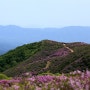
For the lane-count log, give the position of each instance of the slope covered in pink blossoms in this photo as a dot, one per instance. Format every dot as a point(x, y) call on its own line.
point(76, 80)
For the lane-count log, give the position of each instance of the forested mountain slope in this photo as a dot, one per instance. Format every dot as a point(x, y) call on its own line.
point(46, 56)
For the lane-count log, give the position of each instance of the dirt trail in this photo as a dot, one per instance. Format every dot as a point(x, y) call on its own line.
point(47, 65)
point(71, 50)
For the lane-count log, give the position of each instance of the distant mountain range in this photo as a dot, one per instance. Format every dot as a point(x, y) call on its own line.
point(46, 56)
point(12, 36)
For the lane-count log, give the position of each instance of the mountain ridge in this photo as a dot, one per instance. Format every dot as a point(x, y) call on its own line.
point(46, 56)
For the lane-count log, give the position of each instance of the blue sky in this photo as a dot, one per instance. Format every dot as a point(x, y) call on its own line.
point(45, 13)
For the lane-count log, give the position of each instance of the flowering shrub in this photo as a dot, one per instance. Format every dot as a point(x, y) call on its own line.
point(76, 80)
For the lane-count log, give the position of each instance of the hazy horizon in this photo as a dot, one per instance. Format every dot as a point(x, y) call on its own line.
point(45, 13)
point(40, 27)
point(18, 34)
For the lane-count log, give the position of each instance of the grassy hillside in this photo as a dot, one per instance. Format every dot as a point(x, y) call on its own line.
point(18, 55)
point(22, 53)
point(46, 56)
